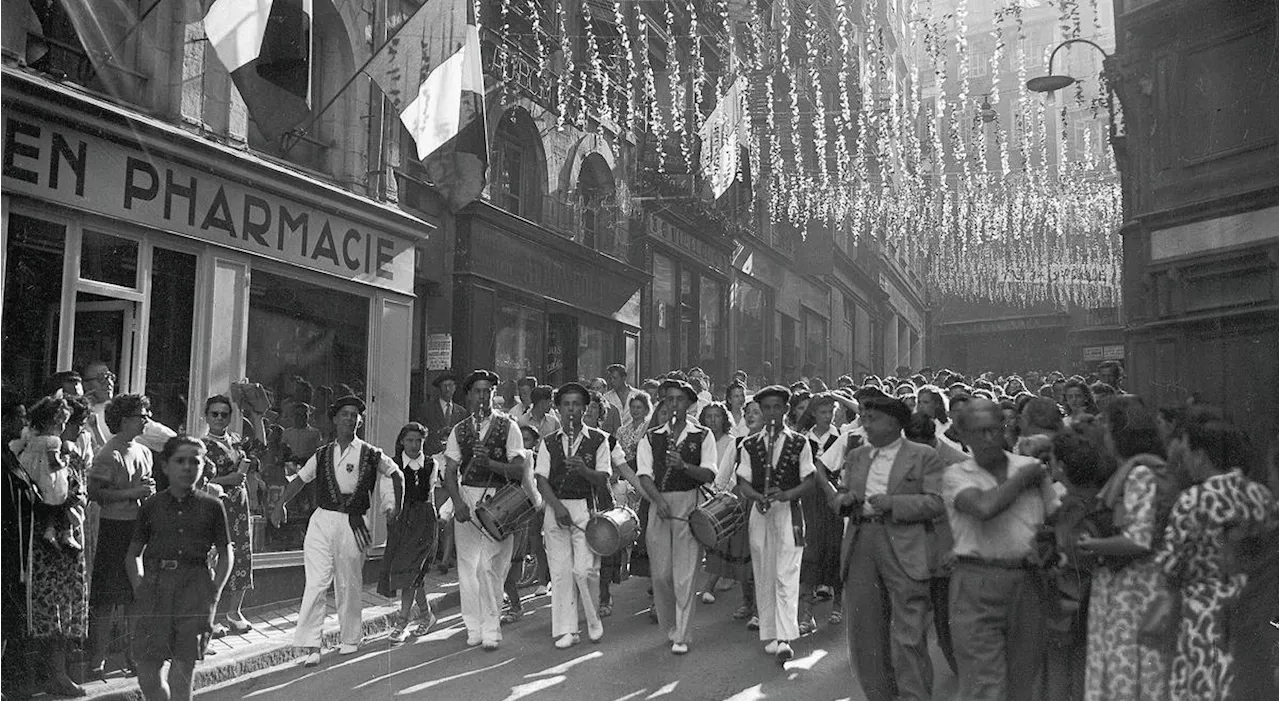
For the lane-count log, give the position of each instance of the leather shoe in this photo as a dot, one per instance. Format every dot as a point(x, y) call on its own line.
point(345, 649)
point(567, 641)
point(679, 648)
point(312, 659)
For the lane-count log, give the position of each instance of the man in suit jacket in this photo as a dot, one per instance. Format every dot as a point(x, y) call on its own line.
point(891, 491)
point(441, 414)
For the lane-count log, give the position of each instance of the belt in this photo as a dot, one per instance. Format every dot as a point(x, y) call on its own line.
point(881, 519)
point(162, 564)
point(1004, 563)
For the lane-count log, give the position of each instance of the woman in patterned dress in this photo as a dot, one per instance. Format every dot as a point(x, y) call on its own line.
point(230, 465)
point(58, 593)
point(1120, 666)
point(1194, 555)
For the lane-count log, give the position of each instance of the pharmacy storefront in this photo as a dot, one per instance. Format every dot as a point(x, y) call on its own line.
point(184, 265)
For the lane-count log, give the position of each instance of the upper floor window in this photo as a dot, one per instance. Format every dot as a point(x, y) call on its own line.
point(596, 198)
point(516, 165)
point(96, 45)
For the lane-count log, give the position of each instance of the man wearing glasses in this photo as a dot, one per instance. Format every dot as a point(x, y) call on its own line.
point(119, 480)
point(99, 388)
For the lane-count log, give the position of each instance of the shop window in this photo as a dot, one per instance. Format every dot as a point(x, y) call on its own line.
point(815, 342)
point(687, 345)
point(306, 343)
point(34, 254)
point(105, 329)
point(173, 291)
point(517, 341)
point(749, 319)
point(107, 258)
point(664, 311)
point(711, 344)
point(517, 162)
point(595, 351)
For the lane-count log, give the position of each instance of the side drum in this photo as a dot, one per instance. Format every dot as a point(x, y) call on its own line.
point(612, 530)
point(718, 518)
point(505, 512)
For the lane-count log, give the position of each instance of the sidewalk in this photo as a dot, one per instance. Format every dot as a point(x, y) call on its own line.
point(270, 643)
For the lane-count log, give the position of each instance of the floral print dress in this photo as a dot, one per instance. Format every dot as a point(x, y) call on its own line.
point(1120, 667)
point(225, 454)
point(1194, 558)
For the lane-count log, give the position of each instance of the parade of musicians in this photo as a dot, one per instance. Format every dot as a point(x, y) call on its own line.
point(621, 350)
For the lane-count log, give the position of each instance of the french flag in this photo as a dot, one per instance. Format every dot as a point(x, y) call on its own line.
point(266, 47)
point(430, 70)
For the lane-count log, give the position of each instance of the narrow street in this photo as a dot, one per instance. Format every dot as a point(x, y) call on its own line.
point(633, 662)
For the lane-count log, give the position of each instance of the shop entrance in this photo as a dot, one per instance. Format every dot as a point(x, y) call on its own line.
point(105, 331)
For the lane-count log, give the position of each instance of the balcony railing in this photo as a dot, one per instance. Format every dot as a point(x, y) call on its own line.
point(1103, 316)
point(600, 227)
point(520, 69)
point(107, 77)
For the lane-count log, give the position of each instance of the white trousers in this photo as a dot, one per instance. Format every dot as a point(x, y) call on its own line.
point(775, 561)
point(575, 570)
point(482, 570)
point(674, 555)
point(330, 556)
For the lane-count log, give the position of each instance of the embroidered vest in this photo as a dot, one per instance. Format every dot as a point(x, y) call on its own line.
point(786, 474)
point(690, 450)
point(819, 449)
point(494, 445)
point(356, 504)
point(564, 483)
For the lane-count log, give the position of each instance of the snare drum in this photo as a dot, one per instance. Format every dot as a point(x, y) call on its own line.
point(505, 512)
point(718, 518)
point(612, 530)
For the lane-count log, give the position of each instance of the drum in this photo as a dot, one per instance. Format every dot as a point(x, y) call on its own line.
point(612, 530)
point(718, 518)
point(505, 512)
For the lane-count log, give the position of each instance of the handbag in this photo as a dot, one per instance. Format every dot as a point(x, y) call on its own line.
point(1159, 625)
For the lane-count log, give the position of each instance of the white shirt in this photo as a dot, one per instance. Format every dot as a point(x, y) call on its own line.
point(833, 457)
point(347, 478)
point(515, 445)
point(414, 463)
point(878, 474)
point(613, 399)
point(725, 470)
point(1009, 534)
point(644, 451)
point(547, 425)
point(603, 459)
point(806, 459)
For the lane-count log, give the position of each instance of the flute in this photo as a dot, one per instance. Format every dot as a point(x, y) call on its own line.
point(772, 434)
point(672, 449)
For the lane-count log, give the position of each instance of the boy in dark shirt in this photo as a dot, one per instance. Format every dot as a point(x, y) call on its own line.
point(167, 562)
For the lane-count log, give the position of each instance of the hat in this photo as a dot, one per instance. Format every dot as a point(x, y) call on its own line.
point(773, 391)
point(479, 376)
point(681, 385)
point(348, 400)
point(888, 405)
point(442, 377)
point(570, 388)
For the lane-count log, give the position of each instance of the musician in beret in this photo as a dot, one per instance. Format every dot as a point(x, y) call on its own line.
point(483, 454)
point(347, 470)
point(573, 462)
point(672, 462)
point(775, 469)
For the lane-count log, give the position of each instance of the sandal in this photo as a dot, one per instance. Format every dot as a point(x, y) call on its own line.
point(239, 627)
point(836, 617)
point(425, 623)
point(606, 610)
point(511, 615)
point(219, 630)
point(743, 613)
point(808, 627)
point(708, 597)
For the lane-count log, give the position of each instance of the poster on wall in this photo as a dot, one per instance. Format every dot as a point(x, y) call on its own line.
point(439, 351)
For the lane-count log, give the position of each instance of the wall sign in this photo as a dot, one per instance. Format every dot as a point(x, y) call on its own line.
point(59, 164)
point(439, 351)
point(1101, 353)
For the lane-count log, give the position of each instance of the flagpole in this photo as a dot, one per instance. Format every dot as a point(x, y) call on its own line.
point(316, 116)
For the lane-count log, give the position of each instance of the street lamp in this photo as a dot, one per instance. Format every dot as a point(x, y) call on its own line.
point(1051, 82)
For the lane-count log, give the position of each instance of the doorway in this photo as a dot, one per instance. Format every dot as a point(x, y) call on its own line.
point(106, 332)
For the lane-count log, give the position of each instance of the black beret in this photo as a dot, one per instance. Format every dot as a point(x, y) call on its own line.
point(864, 393)
point(773, 391)
point(570, 388)
point(888, 405)
point(442, 377)
point(479, 376)
point(680, 385)
point(348, 400)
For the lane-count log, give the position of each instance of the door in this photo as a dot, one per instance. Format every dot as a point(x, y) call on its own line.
point(106, 331)
point(562, 348)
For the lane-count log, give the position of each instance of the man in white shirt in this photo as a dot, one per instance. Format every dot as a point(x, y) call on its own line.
point(890, 489)
point(996, 502)
point(524, 397)
point(775, 468)
point(338, 539)
point(484, 453)
point(620, 391)
point(540, 417)
point(572, 464)
point(672, 462)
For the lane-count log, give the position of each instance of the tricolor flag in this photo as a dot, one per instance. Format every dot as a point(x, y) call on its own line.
point(722, 136)
point(266, 46)
point(430, 70)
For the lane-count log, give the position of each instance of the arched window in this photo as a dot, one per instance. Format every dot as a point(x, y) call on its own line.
point(516, 169)
point(596, 197)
